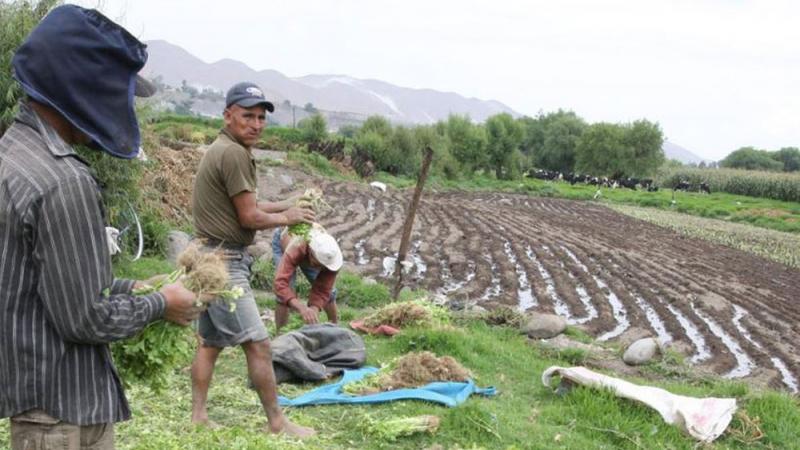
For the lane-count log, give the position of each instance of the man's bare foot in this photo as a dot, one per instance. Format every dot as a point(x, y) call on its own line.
point(292, 429)
point(205, 422)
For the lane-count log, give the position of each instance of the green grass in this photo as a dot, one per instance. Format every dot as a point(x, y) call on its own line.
point(141, 269)
point(525, 414)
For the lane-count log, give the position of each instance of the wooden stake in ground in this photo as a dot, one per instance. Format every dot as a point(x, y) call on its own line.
point(409, 223)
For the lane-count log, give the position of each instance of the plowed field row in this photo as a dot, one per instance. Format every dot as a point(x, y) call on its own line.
point(593, 266)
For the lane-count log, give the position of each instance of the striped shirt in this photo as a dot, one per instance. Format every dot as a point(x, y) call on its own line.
point(59, 303)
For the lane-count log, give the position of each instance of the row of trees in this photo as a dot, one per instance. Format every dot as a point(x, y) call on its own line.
point(505, 146)
point(786, 159)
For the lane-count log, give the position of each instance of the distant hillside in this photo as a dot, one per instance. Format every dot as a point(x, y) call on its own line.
point(331, 93)
point(674, 151)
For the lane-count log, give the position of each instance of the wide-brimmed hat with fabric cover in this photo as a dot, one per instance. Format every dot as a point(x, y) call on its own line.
point(85, 66)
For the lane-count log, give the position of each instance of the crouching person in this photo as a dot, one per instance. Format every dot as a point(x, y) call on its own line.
point(320, 259)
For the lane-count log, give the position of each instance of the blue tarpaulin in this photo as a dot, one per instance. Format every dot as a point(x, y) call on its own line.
point(448, 393)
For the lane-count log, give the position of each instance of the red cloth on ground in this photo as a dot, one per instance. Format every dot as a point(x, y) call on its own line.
point(385, 330)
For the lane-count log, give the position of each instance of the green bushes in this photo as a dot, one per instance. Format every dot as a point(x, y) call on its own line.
point(773, 185)
point(313, 161)
point(314, 128)
point(18, 19)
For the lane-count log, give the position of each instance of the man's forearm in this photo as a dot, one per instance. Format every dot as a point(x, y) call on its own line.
point(275, 207)
point(295, 304)
point(261, 220)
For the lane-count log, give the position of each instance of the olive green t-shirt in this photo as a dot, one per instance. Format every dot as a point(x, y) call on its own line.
point(226, 169)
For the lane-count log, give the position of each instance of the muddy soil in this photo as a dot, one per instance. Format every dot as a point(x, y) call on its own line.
point(601, 270)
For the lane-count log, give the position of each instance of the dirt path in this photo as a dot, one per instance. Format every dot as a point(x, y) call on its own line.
point(599, 269)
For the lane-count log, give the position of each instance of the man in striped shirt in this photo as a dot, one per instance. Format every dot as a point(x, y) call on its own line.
point(59, 303)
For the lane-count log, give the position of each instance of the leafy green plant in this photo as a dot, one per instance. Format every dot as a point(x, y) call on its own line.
point(389, 430)
point(18, 19)
point(148, 356)
point(751, 183)
point(262, 273)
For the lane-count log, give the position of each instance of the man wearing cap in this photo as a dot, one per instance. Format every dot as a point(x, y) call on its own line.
point(59, 303)
point(227, 214)
point(320, 259)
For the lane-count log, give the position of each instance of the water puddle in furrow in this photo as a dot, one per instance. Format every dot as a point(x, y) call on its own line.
point(788, 379)
point(559, 306)
point(450, 284)
point(617, 309)
point(494, 286)
point(655, 321)
point(744, 365)
point(585, 298)
point(371, 209)
point(702, 353)
point(525, 296)
point(390, 263)
point(620, 314)
point(419, 264)
point(361, 257)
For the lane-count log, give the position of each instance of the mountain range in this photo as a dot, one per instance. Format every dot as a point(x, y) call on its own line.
point(343, 99)
point(675, 151)
point(342, 93)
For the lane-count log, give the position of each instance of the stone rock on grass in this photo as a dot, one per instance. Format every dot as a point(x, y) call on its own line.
point(177, 241)
point(632, 335)
point(543, 326)
point(641, 352)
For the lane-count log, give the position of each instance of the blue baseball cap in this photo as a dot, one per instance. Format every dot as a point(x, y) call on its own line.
point(85, 66)
point(247, 95)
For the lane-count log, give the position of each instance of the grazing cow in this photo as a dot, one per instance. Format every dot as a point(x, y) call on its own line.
point(704, 188)
point(682, 185)
point(541, 174)
point(576, 178)
point(629, 183)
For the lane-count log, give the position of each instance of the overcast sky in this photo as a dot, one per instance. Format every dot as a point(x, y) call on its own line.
point(715, 74)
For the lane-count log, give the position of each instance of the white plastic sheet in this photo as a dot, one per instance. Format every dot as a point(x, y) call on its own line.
point(705, 419)
point(378, 185)
point(112, 234)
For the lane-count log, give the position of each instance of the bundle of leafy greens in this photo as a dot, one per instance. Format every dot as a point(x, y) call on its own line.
point(419, 313)
point(409, 371)
point(311, 198)
point(163, 346)
point(391, 429)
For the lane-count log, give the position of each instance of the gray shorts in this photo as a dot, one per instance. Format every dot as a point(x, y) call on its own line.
point(218, 326)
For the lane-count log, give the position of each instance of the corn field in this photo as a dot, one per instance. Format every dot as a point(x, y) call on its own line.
point(752, 183)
